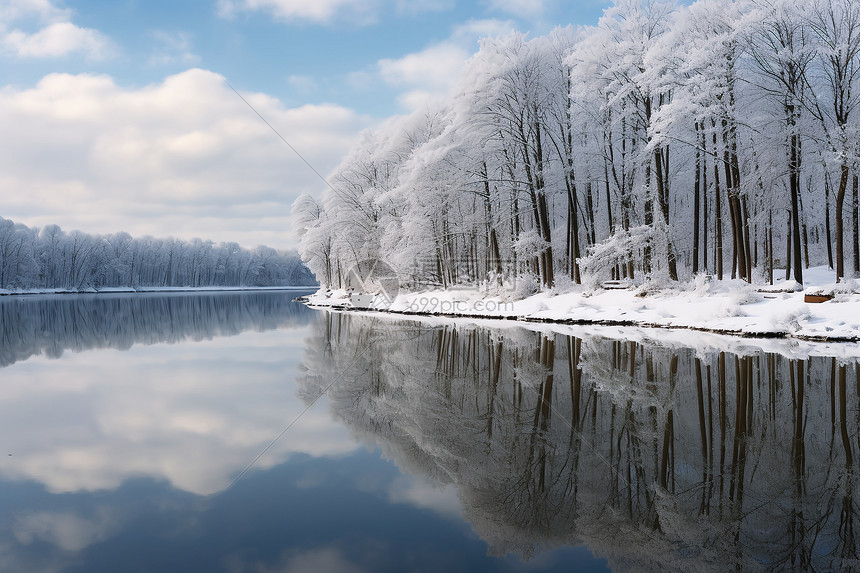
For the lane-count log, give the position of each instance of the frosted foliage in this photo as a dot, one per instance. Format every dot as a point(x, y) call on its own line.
point(621, 247)
point(729, 129)
point(529, 244)
point(51, 259)
point(656, 458)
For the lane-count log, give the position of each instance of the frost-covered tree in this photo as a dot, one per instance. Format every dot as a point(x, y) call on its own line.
point(711, 132)
point(836, 25)
point(779, 42)
point(52, 259)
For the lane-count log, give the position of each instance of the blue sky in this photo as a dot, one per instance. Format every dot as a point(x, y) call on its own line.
point(122, 121)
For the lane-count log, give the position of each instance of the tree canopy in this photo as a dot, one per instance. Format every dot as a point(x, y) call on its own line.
point(667, 140)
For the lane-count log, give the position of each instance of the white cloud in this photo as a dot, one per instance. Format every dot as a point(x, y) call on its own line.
point(54, 36)
point(43, 10)
point(432, 72)
point(431, 67)
point(321, 11)
point(57, 40)
point(185, 157)
point(172, 48)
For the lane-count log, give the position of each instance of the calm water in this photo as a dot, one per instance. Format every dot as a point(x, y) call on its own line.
point(127, 424)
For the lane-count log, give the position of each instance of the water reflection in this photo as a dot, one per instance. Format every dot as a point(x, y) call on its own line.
point(655, 458)
point(120, 458)
point(192, 415)
point(52, 324)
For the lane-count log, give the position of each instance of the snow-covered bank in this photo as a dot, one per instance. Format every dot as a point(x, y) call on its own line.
point(115, 290)
point(724, 307)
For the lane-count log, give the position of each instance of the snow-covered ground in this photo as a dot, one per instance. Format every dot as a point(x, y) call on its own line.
point(725, 307)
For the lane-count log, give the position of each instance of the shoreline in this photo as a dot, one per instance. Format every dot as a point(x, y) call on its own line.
point(767, 335)
point(703, 340)
point(728, 308)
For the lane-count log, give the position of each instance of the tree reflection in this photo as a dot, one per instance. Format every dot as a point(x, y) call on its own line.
point(656, 458)
point(51, 325)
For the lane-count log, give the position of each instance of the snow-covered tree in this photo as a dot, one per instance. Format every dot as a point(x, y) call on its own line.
point(52, 259)
point(718, 125)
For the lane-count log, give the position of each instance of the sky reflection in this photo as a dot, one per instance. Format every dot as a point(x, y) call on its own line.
point(121, 459)
point(193, 415)
point(311, 514)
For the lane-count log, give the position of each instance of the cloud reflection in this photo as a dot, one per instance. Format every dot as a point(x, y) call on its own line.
point(66, 530)
point(192, 414)
point(421, 492)
point(322, 560)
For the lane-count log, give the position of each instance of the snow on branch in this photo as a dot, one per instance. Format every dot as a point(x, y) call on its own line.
point(615, 250)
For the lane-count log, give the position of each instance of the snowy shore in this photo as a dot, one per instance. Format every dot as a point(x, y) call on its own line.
point(723, 307)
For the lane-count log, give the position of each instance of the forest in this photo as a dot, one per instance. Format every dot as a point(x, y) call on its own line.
point(669, 140)
point(50, 258)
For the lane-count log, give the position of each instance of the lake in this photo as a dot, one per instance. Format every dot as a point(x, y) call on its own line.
point(243, 432)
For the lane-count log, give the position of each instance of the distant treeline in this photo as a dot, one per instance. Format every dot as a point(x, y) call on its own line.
point(51, 258)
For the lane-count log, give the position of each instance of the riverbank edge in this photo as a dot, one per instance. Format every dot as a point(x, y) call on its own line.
point(820, 311)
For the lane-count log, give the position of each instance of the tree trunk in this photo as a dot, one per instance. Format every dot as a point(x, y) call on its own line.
point(739, 241)
point(827, 221)
point(747, 233)
point(573, 229)
point(663, 199)
point(589, 205)
point(718, 211)
point(697, 184)
point(744, 231)
point(704, 200)
point(854, 218)
point(794, 184)
point(770, 247)
point(494, 262)
point(788, 235)
point(838, 219)
point(573, 223)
